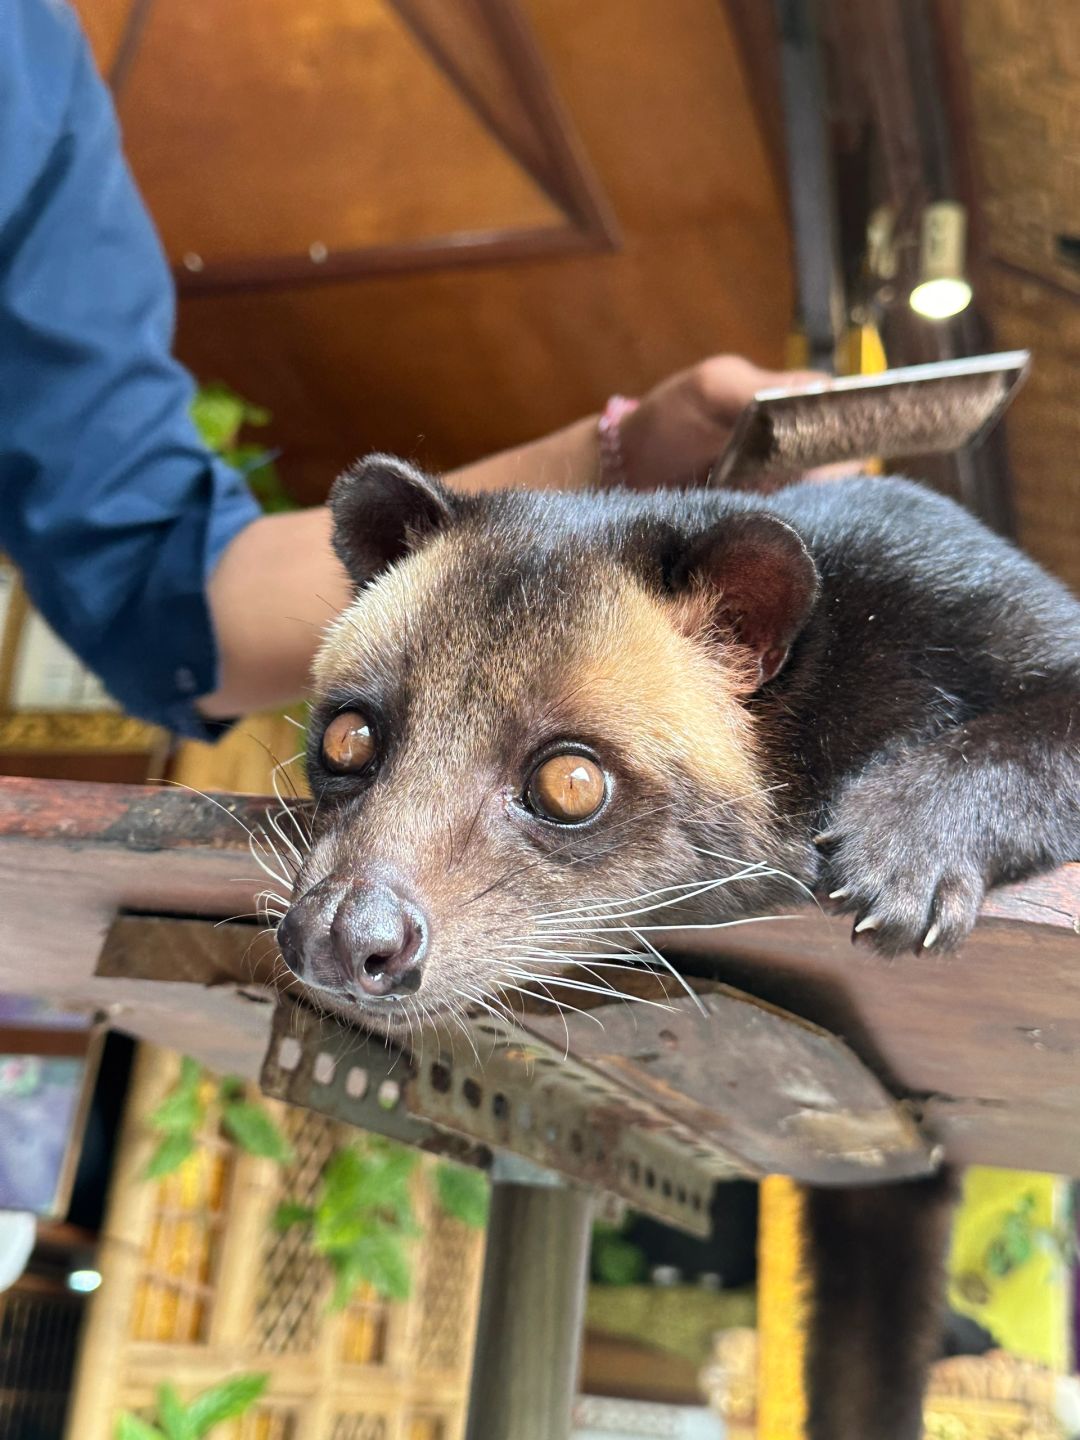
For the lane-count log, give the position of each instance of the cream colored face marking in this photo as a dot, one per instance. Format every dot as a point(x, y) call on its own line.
point(667, 697)
point(638, 673)
point(367, 633)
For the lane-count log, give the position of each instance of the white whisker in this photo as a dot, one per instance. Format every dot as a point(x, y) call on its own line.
point(263, 840)
point(582, 911)
point(708, 925)
point(691, 891)
point(608, 992)
point(768, 870)
point(680, 979)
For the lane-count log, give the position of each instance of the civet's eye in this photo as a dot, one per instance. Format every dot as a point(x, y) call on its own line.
point(568, 787)
point(348, 742)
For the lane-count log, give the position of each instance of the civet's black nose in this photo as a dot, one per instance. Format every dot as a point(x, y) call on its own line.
point(358, 940)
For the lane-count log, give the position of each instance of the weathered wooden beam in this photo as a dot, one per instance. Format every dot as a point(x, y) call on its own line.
point(983, 1045)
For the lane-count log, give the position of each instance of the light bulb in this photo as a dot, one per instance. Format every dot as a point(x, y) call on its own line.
point(940, 298)
point(942, 290)
point(83, 1281)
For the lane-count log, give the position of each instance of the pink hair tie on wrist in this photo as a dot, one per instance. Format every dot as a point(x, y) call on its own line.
point(612, 470)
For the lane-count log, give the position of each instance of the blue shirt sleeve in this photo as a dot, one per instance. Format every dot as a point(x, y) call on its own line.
point(110, 505)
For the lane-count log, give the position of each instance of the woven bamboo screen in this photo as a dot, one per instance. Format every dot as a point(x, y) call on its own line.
point(197, 1285)
point(38, 1330)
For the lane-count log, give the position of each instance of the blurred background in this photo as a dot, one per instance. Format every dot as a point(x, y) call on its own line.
point(440, 228)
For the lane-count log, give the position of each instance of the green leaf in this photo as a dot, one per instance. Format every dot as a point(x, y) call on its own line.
point(130, 1427)
point(253, 1130)
point(180, 1113)
point(358, 1184)
point(181, 1110)
point(339, 1233)
point(616, 1261)
point(174, 1417)
point(997, 1259)
point(230, 1087)
point(289, 1214)
point(169, 1156)
point(386, 1265)
point(348, 1275)
point(225, 1402)
point(218, 415)
point(1021, 1249)
point(381, 1261)
point(463, 1193)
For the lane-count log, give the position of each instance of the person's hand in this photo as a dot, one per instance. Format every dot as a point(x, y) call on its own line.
point(681, 426)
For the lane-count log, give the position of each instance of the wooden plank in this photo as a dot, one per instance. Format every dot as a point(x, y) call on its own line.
point(457, 250)
point(72, 856)
point(985, 1042)
point(488, 52)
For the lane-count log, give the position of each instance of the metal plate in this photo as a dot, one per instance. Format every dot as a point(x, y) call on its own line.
point(653, 1111)
point(522, 1097)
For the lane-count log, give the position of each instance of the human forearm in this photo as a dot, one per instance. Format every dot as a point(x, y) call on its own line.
point(275, 588)
point(569, 459)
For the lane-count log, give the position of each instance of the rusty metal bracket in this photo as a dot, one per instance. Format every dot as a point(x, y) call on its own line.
point(650, 1112)
point(521, 1098)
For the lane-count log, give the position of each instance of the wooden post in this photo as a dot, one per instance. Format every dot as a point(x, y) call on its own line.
point(531, 1308)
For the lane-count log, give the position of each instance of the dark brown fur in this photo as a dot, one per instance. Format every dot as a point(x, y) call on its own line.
point(860, 659)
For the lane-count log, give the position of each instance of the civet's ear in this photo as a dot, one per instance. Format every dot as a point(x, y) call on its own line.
point(382, 509)
point(759, 581)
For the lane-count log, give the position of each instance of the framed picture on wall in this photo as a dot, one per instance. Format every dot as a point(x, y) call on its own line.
point(56, 718)
point(48, 1064)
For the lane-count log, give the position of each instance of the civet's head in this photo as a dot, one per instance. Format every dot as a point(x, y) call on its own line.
point(529, 725)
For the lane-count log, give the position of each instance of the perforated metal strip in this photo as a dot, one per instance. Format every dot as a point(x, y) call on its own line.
point(513, 1095)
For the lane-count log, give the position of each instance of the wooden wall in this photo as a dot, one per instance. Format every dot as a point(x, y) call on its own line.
point(265, 127)
point(1023, 76)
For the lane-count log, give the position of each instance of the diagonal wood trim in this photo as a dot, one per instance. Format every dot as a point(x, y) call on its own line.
point(488, 52)
point(128, 47)
point(1061, 288)
point(753, 29)
point(441, 252)
point(460, 42)
point(588, 203)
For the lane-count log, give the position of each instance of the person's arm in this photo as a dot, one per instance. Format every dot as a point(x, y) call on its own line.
point(110, 505)
point(279, 582)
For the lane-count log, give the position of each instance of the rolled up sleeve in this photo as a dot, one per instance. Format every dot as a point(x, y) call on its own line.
point(110, 504)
